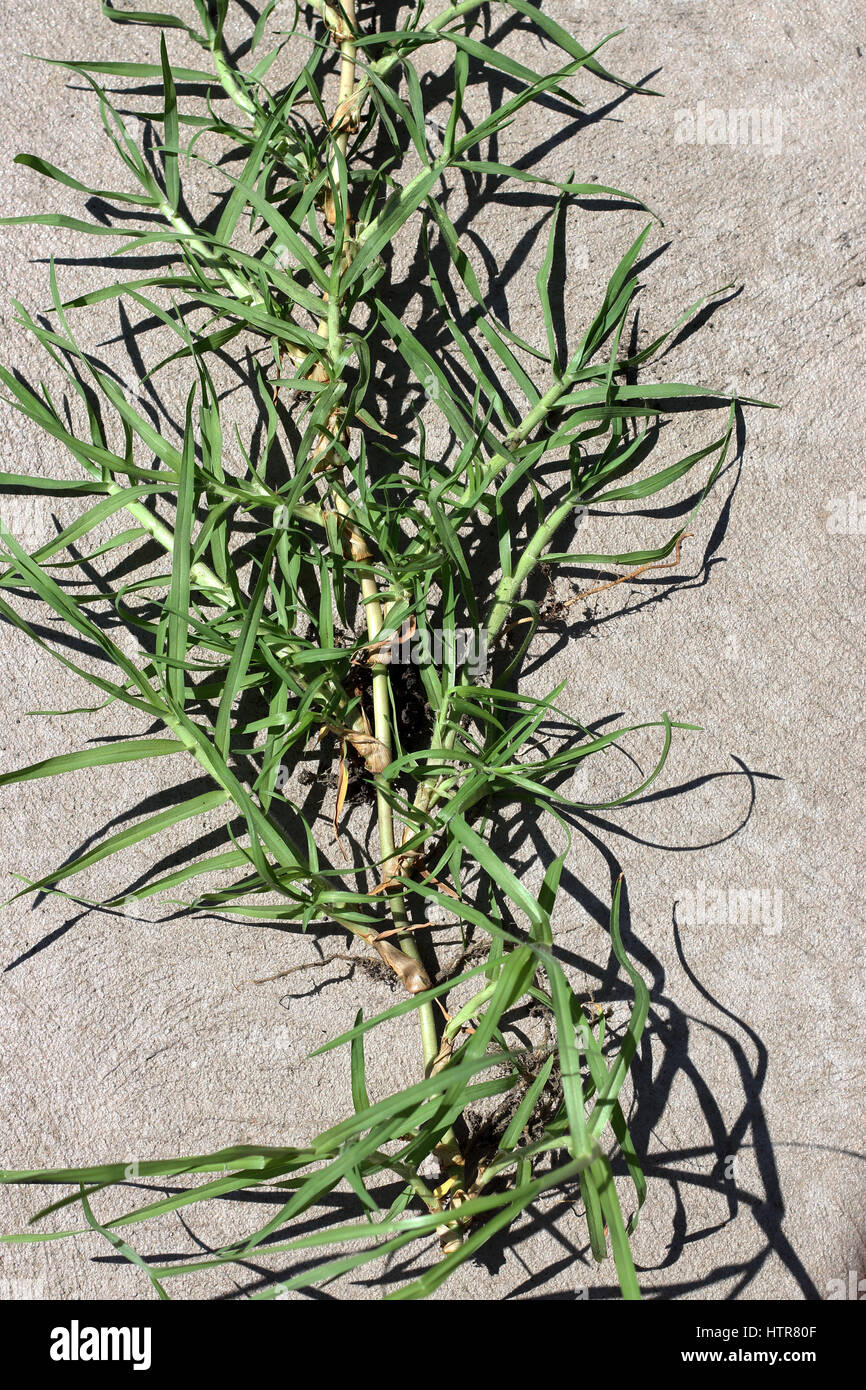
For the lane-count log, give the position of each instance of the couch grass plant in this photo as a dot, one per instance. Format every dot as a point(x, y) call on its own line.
point(358, 528)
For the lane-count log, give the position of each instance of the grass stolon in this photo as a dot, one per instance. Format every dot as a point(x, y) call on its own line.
point(254, 641)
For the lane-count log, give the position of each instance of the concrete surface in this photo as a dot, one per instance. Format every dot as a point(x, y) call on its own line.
point(130, 1037)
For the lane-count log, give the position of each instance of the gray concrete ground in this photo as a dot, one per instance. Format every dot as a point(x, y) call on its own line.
point(128, 1037)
